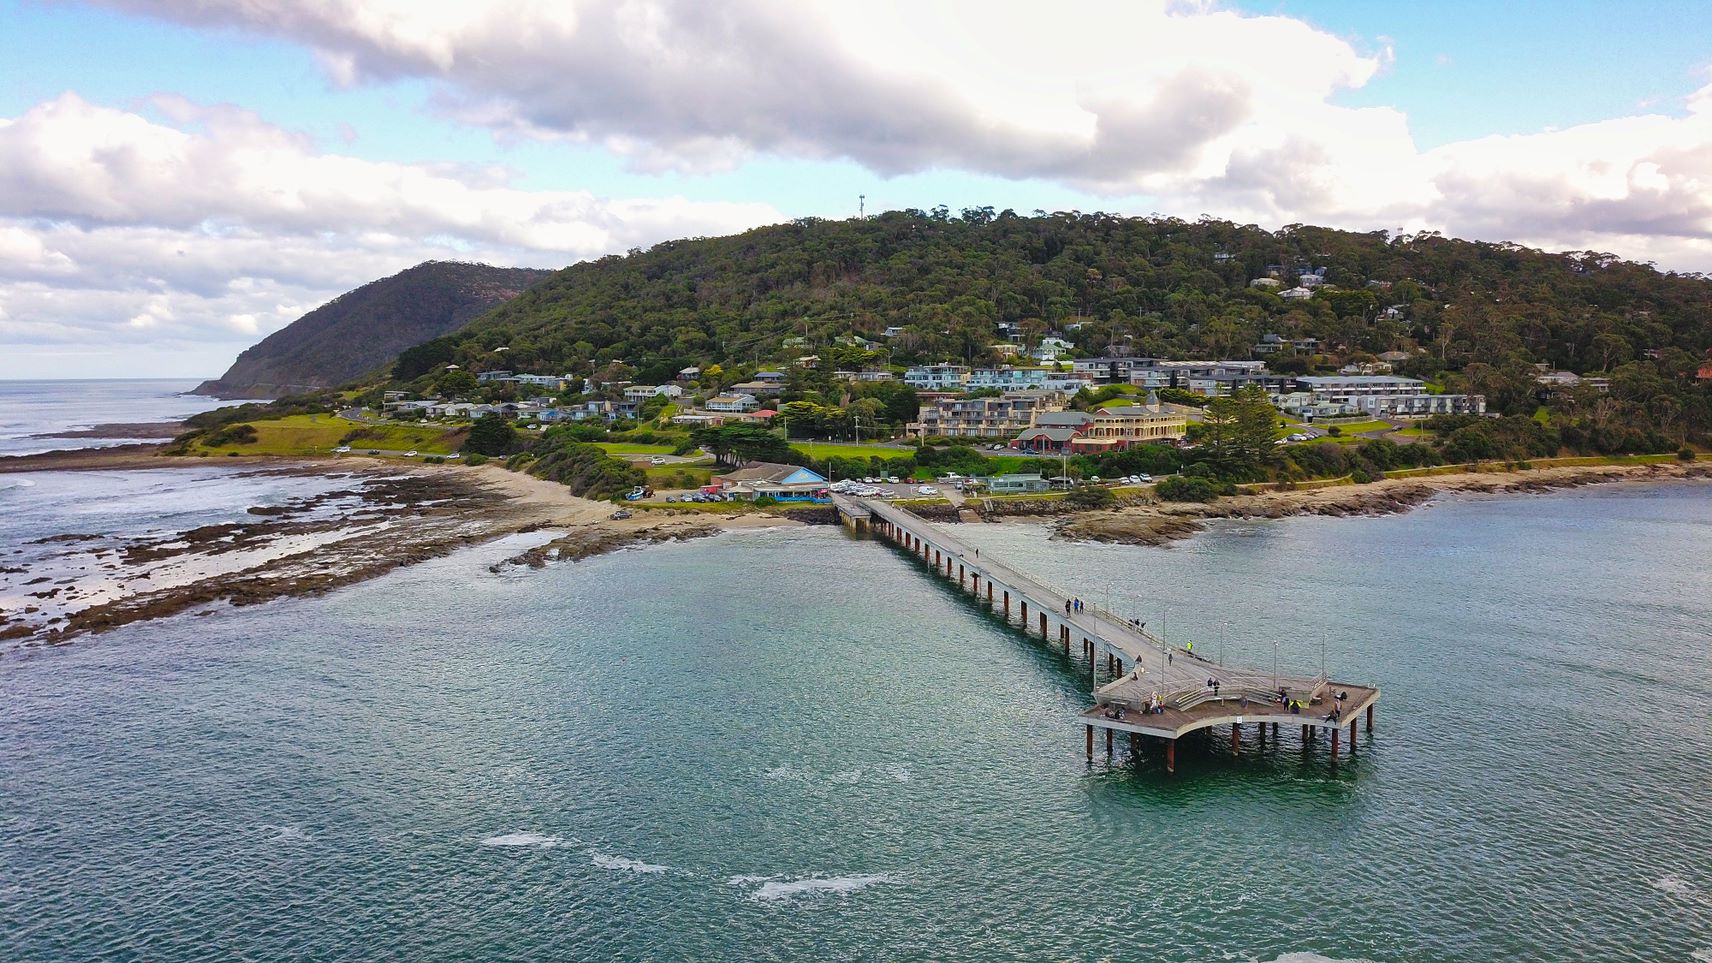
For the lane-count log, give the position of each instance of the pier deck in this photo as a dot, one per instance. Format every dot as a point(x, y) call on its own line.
point(1142, 670)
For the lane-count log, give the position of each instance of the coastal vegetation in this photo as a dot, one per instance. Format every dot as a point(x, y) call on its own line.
point(815, 296)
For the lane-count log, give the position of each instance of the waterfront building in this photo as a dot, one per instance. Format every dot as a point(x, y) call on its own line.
point(997, 418)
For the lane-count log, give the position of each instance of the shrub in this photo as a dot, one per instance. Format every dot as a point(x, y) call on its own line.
point(1187, 488)
point(1334, 431)
point(491, 435)
point(434, 460)
point(1685, 453)
point(475, 458)
point(518, 460)
point(232, 435)
point(1089, 496)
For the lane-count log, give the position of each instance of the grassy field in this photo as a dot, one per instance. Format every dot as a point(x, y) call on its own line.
point(822, 450)
point(679, 476)
point(632, 448)
point(1357, 427)
point(320, 434)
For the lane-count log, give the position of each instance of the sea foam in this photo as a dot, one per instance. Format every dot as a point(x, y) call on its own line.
point(524, 839)
point(606, 861)
point(776, 890)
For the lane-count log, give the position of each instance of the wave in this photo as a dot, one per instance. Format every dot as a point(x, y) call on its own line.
point(1675, 886)
point(778, 890)
point(1308, 956)
point(16, 483)
point(286, 834)
point(606, 861)
point(1702, 956)
point(524, 839)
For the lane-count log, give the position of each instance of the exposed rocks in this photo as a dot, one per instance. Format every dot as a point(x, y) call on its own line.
point(585, 542)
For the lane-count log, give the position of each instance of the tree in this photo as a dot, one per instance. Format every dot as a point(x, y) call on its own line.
point(491, 435)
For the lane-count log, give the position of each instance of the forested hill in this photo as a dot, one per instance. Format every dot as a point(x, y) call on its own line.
point(1481, 312)
point(361, 330)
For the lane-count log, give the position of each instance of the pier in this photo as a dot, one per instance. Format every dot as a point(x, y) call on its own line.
point(1143, 687)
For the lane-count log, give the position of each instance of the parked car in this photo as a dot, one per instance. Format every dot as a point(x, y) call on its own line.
point(410, 454)
point(657, 460)
point(893, 480)
point(1144, 478)
point(343, 449)
point(926, 490)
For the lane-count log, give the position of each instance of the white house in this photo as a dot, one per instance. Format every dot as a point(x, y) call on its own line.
point(733, 403)
point(1296, 294)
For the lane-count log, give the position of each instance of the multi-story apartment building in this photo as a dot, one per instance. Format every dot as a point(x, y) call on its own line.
point(998, 418)
point(937, 377)
point(1389, 395)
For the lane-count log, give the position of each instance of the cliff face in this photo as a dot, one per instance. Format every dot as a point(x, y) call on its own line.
point(363, 329)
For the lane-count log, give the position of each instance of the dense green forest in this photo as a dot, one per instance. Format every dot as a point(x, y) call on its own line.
point(1478, 315)
point(361, 330)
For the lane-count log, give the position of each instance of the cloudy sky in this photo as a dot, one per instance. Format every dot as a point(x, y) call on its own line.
point(179, 178)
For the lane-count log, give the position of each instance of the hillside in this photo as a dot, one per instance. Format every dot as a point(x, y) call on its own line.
point(361, 330)
point(1153, 286)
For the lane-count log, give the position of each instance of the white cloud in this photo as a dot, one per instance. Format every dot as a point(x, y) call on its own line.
point(1199, 108)
point(117, 229)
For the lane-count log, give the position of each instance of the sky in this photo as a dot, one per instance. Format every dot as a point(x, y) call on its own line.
point(180, 178)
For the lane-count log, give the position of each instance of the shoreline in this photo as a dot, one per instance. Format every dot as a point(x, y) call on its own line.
point(391, 515)
point(1160, 523)
point(407, 512)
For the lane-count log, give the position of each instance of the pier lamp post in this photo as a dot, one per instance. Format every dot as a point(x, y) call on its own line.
point(1274, 663)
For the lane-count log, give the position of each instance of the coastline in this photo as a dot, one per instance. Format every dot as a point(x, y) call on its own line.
point(1159, 523)
point(407, 512)
point(395, 514)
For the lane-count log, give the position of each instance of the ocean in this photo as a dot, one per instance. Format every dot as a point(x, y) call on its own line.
point(29, 409)
point(793, 743)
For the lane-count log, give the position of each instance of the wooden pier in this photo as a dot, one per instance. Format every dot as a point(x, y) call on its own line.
point(1142, 686)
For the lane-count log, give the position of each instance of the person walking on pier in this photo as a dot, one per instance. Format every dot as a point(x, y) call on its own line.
point(1066, 606)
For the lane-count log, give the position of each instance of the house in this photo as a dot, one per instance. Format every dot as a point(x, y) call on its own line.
point(689, 374)
point(733, 403)
point(1222, 257)
point(1394, 357)
point(772, 480)
point(491, 376)
point(1114, 429)
point(759, 389)
point(892, 332)
point(1052, 430)
point(1014, 484)
point(1000, 417)
point(771, 377)
point(670, 391)
point(1296, 294)
point(1310, 280)
point(550, 382)
point(637, 394)
point(1051, 348)
point(1265, 283)
point(1004, 349)
point(1107, 429)
point(937, 377)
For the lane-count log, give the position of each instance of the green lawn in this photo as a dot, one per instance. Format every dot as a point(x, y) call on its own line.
point(1357, 427)
point(320, 434)
point(632, 448)
point(821, 450)
point(679, 476)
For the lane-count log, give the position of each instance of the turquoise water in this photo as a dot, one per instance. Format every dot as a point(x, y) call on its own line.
point(792, 744)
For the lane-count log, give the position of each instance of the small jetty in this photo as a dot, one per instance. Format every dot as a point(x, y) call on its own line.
point(1142, 686)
